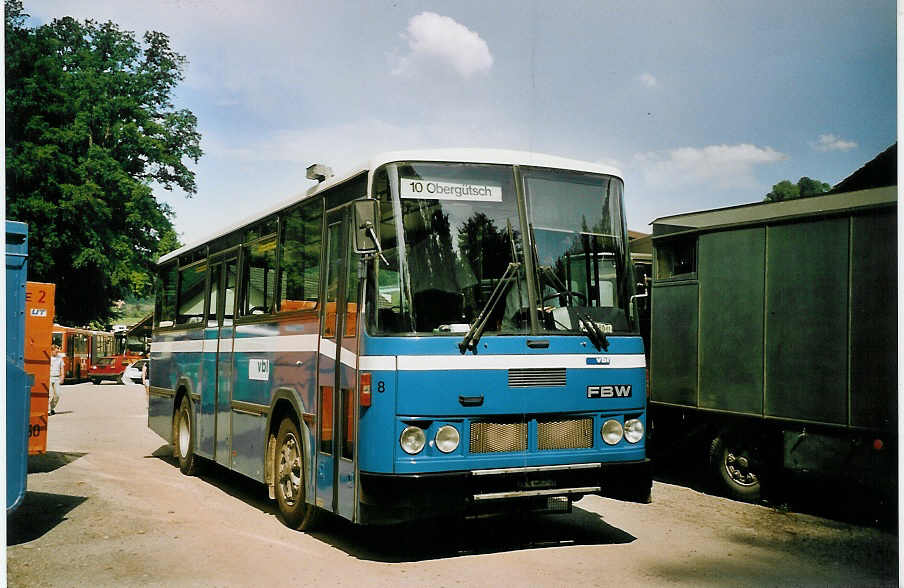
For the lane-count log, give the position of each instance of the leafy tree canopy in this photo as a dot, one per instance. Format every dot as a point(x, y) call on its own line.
point(90, 127)
point(804, 187)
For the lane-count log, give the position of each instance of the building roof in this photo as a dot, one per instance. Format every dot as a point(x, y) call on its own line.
point(881, 171)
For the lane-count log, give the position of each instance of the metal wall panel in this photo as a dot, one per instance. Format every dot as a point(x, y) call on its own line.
point(673, 346)
point(806, 320)
point(732, 282)
point(873, 320)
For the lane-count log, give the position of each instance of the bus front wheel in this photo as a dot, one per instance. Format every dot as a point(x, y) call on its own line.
point(184, 439)
point(291, 492)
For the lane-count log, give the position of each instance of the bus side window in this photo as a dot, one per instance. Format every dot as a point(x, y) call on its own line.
point(259, 277)
point(191, 294)
point(165, 311)
point(229, 293)
point(300, 259)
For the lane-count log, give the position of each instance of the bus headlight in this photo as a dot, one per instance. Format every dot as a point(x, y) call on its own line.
point(612, 432)
point(413, 440)
point(447, 439)
point(633, 430)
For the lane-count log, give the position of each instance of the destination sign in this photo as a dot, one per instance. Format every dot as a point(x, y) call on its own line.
point(434, 190)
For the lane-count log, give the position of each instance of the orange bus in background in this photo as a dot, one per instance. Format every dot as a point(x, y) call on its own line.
point(81, 347)
point(39, 310)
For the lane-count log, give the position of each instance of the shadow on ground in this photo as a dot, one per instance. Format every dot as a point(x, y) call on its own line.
point(840, 499)
point(430, 539)
point(234, 484)
point(457, 537)
point(39, 513)
point(50, 461)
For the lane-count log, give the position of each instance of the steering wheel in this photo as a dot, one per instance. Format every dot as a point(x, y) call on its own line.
point(257, 310)
point(569, 293)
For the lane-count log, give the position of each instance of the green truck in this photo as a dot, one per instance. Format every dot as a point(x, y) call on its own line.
point(774, 337)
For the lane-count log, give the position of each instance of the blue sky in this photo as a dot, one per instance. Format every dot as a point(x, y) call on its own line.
point(700, 104)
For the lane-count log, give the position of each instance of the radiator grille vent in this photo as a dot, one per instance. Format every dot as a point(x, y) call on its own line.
point(571, 434)
point(494, 437)
point(536, 377)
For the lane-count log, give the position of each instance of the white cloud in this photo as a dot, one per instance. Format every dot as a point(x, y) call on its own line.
point(434, 38)
point(719, 166)
point(830, 142)
point(648, 80)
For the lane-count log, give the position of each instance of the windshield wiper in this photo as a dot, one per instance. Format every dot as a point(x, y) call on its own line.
point(472, 337)
point(596, 335)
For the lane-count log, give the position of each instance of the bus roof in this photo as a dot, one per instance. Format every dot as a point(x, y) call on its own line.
point(461, 155)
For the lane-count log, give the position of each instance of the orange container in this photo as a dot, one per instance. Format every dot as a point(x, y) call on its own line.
point(39, 309)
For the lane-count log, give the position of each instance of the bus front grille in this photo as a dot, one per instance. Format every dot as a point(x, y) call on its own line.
point(489, 437)
point(536, 377)
point(569, 434)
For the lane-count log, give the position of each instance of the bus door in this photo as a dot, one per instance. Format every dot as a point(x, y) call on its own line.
point(216, 397)
point(337, 374)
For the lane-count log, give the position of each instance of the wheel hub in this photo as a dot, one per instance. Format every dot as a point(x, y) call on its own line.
point(184, 435)
point(289, 473)
point(739, 469)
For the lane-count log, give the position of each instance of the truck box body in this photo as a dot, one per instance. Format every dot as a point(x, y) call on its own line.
point(784, 313)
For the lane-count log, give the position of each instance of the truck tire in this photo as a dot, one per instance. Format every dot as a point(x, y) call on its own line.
point(291, 488)
point(736, 467)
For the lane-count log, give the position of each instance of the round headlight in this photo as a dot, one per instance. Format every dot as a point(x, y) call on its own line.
point(447, 439)
point(413, 440)
point(633, 430)
point(612, 432)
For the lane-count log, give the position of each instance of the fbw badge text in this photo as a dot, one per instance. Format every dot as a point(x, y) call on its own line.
point(609, 391)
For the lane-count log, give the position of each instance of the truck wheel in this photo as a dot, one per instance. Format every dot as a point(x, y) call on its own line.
point(184, 439)
point(95, 381)
point(291, 492)
point(736, 467)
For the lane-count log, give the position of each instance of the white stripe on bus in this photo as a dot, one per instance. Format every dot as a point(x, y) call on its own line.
point(499, 362)
point(308, 343)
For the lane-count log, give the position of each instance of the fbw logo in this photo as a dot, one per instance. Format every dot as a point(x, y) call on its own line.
point(609, 391)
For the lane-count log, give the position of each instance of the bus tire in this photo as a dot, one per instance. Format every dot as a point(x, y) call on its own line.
point(291, 492)
point(736, 468)
point(95, 381)
point(184, 439)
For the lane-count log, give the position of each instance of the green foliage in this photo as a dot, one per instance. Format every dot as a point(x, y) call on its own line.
point(804, 187)
point(90, 127)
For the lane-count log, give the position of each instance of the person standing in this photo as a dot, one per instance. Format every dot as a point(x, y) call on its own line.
point(56, 376)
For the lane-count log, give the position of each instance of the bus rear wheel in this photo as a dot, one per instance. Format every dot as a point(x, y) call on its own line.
point(291, 492)
point(184, 439)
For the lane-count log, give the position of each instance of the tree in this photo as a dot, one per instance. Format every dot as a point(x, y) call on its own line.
point(90, 128)
point(804, 187)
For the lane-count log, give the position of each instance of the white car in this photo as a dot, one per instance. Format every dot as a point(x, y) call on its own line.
point(132, 373)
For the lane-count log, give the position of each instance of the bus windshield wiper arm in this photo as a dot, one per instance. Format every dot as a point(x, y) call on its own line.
point(596, 335)
point(472, 337)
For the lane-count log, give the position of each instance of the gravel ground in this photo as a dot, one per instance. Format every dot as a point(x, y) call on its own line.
point(107, 506)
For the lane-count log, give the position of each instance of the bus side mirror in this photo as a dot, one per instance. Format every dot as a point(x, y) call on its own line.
point(366, 213)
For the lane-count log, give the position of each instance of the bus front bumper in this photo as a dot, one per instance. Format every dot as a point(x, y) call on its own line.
point(389, 498)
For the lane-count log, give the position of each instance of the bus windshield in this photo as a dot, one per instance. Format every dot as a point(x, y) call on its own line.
point(461, 234)
point(461, 231)
point(579, 241)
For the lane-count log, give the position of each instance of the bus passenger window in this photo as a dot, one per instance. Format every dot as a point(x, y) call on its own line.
point(229, 294)
point(300, 265)
point(191, 294)
point(165, 311)
point(259, 277)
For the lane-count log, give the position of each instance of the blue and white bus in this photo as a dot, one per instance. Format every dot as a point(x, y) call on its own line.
point(434, 333)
